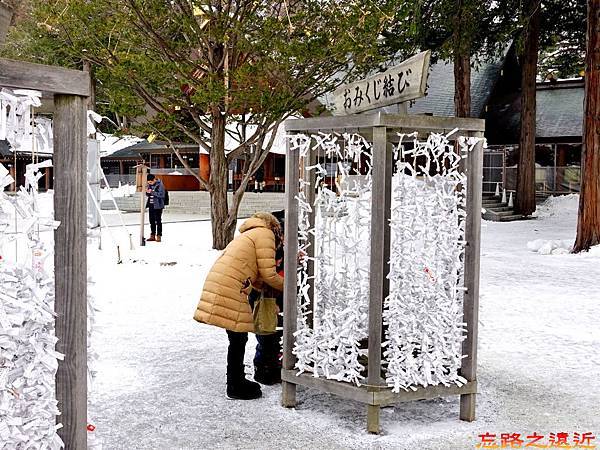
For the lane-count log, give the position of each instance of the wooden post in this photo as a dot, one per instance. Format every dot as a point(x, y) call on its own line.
point(471, 297)
point(373, 418)
point(380, 256)
point(143, 170)
point(70, 262)
point(311, 177)
point(290, 304)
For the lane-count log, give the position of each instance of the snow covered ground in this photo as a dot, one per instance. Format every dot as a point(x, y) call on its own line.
point(161, 376)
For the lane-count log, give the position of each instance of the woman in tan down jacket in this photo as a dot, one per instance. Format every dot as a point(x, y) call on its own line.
point(248, 260)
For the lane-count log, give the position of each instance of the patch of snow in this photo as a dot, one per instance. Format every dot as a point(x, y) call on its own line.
point(125, 190)
point(565, 205)
point(161, 376)
point(550, 247)
point(110, 143)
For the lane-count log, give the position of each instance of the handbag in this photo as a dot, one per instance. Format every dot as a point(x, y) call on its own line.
point(264, 315)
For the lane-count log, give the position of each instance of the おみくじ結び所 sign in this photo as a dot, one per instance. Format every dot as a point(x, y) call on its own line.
point(404, 82)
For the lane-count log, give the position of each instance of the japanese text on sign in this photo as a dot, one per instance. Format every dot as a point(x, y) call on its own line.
point(404, 82)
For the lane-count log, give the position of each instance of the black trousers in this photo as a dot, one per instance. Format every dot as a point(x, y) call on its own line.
point(268, 348)
point(235, 355)
point(156, 221)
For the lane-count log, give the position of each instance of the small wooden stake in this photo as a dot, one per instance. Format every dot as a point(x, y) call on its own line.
point(143, 170)
point(373, 418)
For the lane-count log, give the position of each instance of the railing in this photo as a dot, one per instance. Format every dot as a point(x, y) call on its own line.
point(549, 180)
point(115, 179)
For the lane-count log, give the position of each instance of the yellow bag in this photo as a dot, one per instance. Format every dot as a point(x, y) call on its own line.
point(265, 315)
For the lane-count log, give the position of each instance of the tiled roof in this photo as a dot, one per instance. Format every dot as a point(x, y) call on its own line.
point(145, 146)
point(439, 100)
point(124, 153)
point(559, 113)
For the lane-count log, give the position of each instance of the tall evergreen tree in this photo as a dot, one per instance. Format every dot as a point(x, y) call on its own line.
point(525, 197)
point(588, 225)
point(463, 31)
point(554, 29)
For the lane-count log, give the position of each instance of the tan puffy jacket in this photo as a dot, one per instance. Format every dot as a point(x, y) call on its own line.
point(250, 256)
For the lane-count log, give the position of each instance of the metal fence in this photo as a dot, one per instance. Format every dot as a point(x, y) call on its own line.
point(114, 180)
point(500, 170)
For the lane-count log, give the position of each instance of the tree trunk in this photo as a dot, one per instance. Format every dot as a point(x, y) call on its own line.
point(462, 67)
point(588, 224)
point(462, 86)
point(219, 210)
point(525, 196)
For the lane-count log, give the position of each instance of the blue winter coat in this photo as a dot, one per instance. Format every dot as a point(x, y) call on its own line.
point(158, 195)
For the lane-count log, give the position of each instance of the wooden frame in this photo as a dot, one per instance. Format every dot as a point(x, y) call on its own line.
point(382, 128)
point(71, 89)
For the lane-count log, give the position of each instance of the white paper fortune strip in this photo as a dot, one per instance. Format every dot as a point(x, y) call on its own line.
point(28, 360)
point(342, 206)
point(423, 313)
point(423, 321)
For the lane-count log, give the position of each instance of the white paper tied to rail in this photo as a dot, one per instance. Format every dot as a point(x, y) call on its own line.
point(424, 328)
point(28, 359)
point(17, 121)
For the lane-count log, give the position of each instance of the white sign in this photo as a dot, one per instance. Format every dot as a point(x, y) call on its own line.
point(404, 82)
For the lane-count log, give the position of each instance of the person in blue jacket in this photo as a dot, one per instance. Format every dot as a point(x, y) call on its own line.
point(155, 191)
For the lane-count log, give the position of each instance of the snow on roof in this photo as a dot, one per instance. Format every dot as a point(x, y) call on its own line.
point(109, 143)
point(279, 145)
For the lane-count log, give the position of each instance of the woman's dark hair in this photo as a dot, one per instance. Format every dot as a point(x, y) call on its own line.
point(280, 215)
point(150, 177)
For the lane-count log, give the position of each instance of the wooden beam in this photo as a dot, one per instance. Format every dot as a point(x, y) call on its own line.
point(387, 397)
point(382, 396)
point(24, 75)
point(70, 266)
point(432, 123)
point(290, 292)
point(471, 297)
point(380, 248)
point(341, 389)
point(392, 121)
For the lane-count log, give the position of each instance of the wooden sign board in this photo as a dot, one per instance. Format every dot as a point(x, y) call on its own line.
point(404, 82)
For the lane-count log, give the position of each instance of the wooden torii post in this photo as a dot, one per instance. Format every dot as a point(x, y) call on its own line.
point(70, 89)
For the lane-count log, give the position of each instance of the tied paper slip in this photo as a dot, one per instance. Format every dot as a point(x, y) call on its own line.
point(3, 377)
point(5, 178)
point(4, 322)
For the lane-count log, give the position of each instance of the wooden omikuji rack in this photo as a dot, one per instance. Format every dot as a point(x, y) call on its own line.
point(382, 130)
point(69, 91)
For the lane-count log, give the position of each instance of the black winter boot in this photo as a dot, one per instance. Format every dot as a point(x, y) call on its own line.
point(243, 389)
point(267, 375)
point(238, 387)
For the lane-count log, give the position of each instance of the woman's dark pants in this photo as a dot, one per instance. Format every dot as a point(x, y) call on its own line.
point(235, 356)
